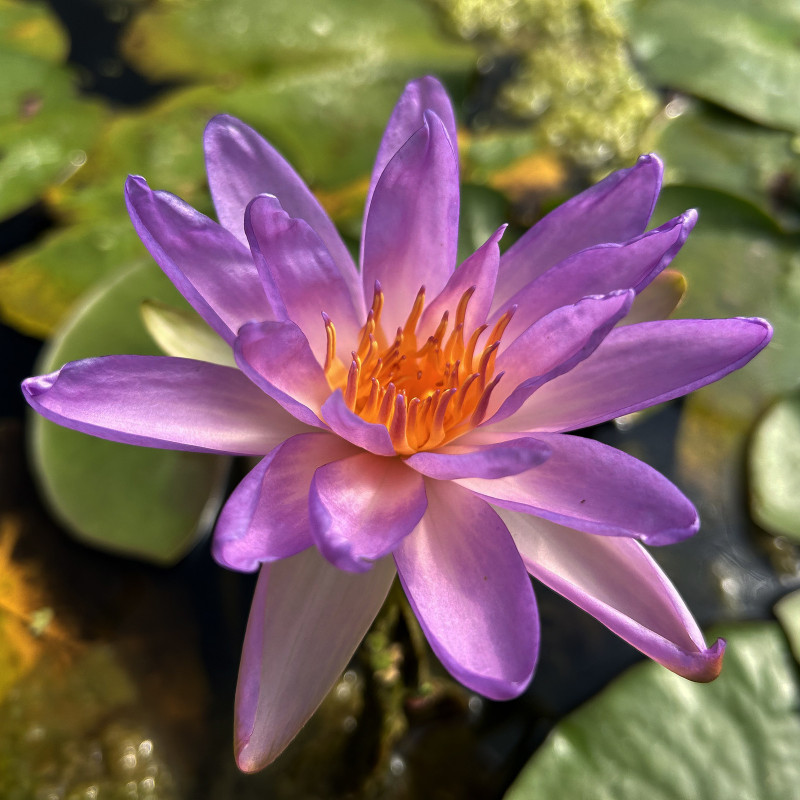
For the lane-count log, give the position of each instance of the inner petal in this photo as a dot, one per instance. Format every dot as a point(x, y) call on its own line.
point(425, 392)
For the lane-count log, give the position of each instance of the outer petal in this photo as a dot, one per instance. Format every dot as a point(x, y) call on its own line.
point(599, 270)
point(617, 582)
point(242, 165)
point(614, 210)
point(368, 435)
point(595, 488)
point(276, 356)
point(411, 229)
point(467, 585)
point(641, 365)
point(296, 266)
point(210, 268)
point(481, 461)
point(306, 621)
point(407, 118)
point(266, 517)
point(157, 401)
point(659, 299)
point(478, 271)
point(553, 346)
point(362, 506)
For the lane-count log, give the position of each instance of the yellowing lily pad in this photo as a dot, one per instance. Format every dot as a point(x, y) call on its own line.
point(654, 735)
point(153, 504)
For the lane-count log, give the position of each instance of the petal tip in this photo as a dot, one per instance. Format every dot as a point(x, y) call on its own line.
point(38, 385)
point(708, 665)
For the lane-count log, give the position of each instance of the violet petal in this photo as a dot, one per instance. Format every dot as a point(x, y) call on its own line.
point(614, 210)
point(595, 488)
point(411, 229)
point(617, 582)
point(207, 264)
point(468, 587)
point(362, 506)
point(266, 517)
point(306, 620)
point(163, 402)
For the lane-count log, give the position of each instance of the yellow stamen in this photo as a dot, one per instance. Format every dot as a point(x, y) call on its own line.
point(425, 396)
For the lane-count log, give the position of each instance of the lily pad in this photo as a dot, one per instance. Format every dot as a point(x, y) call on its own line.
point(31, 27)
point(40, 284)
point(171, 40)
point(653, 734)
point(45, 128)
point(153, 504)
point(738, 262)
point(774, 467)
point(787, 610)
point(738, 53)
point(716, 151)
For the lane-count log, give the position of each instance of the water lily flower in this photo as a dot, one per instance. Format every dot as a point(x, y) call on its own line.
point(412, 418)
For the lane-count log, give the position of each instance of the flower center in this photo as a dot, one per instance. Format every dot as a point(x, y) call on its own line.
point(425, 395)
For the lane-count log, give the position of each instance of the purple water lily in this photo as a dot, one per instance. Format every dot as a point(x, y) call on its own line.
point(411, 417)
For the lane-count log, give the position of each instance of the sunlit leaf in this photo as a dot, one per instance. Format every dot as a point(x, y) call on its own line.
point(774, 468)
point(705, 148)
point(45, 128)
point(738, 53)
point(38, 285)
point(654, 735)
point(787, 610)
point(132, 500)
point(738, 263)
point(172, 40)
point(31, 27)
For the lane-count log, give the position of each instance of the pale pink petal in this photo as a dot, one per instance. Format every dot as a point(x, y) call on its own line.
point(411, 229)
point(277, 357)
point(468, 587)
point(306, 621)
point(614, 210)
point(478, 271)
point(157, 401)
point(595, 488)
point(658, 300)
point(480, 460)
point(370, 436)
point(266, 517)
point(407, 118)
point(295, 264)
point(599, 270)
point(362, 506)
point(552, 346)
point(208, 265)
point(617, 582)
point(641, 365)
point(241, 165)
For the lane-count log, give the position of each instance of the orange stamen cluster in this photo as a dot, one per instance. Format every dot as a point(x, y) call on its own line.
point(425, 395)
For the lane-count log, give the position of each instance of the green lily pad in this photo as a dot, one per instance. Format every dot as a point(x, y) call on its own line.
point(45, 128)
point(738, 53)
point(653, 734)
point(738, 263)
point(31, 27)
point(172, 40)
point(774, 467)
point(148, 503)
point(787, 610)
point(705, 148)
